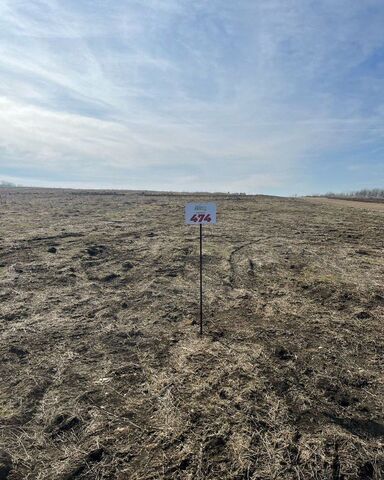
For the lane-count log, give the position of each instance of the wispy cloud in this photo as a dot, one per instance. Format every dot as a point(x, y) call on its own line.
point(251, 96)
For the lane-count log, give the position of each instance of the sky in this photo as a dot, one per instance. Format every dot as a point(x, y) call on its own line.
point(258, 96)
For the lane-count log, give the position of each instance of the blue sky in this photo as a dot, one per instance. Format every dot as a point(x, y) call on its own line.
point(257, 96)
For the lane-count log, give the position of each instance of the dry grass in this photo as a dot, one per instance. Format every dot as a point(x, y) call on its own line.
point(105, 377)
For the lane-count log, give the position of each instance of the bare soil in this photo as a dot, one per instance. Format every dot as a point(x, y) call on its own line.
point(365, 203)
point(103, 373)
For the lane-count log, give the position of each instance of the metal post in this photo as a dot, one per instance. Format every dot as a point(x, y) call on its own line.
point(201, 279)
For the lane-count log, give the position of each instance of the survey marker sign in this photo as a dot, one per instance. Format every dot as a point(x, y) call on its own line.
point(200, 213)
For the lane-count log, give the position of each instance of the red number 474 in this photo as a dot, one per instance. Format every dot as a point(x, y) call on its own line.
point(201, 217)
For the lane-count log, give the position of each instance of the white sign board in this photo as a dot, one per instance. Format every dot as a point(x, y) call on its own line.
point(200, 213)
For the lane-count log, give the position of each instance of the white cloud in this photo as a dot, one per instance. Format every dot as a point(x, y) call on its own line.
point(130, 85)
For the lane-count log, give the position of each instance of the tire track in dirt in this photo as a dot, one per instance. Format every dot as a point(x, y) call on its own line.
point(234, 274)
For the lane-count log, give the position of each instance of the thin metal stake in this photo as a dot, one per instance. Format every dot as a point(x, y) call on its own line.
point(201, 279)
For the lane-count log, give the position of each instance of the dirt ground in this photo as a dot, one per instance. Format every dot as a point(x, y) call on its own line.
point(103, 373)
point(366, 204)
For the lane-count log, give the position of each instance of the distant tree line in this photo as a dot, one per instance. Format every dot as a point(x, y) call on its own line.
point(7, 185)
point(364, 193)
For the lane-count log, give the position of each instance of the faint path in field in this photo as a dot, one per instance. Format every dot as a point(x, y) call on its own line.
point(347, 203)
point(233, 258)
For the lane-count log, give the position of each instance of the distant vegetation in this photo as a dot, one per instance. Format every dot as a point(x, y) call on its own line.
point(365, 193)
point(7, 185)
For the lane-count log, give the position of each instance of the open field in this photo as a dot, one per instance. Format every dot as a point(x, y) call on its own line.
point(367, 203)
point(103, 373)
